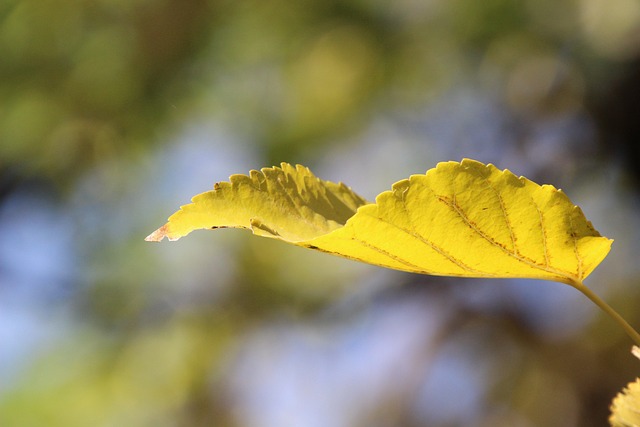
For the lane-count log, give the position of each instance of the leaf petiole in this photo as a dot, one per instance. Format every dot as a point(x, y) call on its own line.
point(635, 336)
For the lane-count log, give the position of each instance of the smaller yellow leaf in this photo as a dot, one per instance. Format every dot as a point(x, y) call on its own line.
point(288, 203)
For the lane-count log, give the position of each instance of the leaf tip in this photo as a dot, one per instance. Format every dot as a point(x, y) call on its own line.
point(158, 235)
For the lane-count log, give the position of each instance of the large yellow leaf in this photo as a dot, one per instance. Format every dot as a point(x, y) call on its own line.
point(459, 219)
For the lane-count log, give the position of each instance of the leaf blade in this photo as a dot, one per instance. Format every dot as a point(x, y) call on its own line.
point(459, 219)
point(478, 239)
point(288, 203)
point(625, 407)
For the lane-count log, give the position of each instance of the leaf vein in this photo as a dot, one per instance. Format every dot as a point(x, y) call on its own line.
point(431, 245)
point(525, 260)
point(389, 254)
point(503, 208)
point(575, 248)
point(544, 232)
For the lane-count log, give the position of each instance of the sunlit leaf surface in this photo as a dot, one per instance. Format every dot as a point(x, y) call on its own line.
point(625, 408)
point(459, 219)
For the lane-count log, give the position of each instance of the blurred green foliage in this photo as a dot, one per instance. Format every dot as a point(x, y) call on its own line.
point(99, 100)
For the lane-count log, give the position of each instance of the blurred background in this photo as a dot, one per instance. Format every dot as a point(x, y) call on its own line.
point(115, 112)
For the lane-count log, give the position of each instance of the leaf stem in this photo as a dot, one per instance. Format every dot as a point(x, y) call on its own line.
point(635, 336)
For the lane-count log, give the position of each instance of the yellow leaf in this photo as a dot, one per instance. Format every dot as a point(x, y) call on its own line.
point(459, 219)
point(625, 408)
point(288, 203)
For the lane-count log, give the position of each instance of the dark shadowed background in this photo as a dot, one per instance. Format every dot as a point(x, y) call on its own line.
point(115, 112)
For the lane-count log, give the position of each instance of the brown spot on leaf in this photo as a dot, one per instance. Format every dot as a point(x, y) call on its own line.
point(157, 235)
